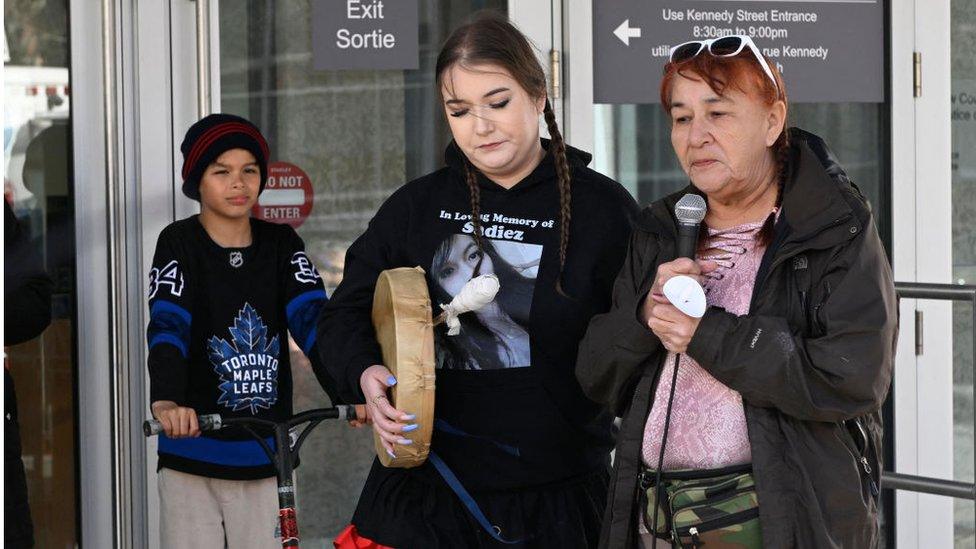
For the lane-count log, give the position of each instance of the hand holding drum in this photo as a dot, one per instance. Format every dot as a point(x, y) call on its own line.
point(400, 395)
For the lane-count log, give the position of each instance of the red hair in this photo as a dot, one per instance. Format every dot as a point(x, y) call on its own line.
point(741, 72)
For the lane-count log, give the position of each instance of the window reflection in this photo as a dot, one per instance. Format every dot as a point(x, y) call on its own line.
point(38, 186)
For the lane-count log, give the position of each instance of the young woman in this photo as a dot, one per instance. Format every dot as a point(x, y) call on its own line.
point(513, 425)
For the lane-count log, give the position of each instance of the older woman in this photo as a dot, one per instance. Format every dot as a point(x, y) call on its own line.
point(775, 407)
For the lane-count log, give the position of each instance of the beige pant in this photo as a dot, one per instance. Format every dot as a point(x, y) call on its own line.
point(209, 513)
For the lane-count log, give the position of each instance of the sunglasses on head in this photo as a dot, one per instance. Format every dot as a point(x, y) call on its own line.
point(726, 46)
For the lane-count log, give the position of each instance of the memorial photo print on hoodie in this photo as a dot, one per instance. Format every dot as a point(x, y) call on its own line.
point(497, 336)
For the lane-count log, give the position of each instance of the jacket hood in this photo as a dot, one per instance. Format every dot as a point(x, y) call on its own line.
point(817, 193)
point(545, 171)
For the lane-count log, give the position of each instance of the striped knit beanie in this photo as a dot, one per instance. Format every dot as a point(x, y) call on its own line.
point(211, 137)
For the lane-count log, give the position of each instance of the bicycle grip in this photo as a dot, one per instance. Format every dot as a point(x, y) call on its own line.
point(207, 422)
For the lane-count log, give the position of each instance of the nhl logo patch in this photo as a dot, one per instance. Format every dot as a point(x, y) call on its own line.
point(236, 259)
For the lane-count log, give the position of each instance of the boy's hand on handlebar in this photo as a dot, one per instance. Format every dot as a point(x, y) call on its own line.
point(388, 422)
point(177, 421)
point(362, 417)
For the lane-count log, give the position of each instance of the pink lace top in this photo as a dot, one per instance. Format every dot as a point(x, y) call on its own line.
point(708, 423)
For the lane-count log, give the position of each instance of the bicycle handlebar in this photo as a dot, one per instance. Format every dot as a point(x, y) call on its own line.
point(208, 422)
point(214, 422)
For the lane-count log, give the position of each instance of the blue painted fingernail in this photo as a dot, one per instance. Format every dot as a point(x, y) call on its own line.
point(391, 381)
point(404, 441)
point(410, 427)
point(392, 455)
point(409, 417)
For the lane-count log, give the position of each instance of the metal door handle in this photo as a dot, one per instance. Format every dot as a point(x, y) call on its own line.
point(203, 57)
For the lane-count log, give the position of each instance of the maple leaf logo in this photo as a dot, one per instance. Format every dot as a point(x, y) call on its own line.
point(248, 366)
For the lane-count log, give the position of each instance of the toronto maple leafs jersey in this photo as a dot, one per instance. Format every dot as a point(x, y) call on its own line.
point(219, 320)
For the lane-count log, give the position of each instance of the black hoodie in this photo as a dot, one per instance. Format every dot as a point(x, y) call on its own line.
point(507, 380)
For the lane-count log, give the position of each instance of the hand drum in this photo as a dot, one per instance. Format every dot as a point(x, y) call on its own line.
point(405, 332)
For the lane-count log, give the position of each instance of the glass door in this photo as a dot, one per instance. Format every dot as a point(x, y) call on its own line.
point(39, 188)
point(347, 137)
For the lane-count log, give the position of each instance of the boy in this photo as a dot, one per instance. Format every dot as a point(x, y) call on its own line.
point(224, 291)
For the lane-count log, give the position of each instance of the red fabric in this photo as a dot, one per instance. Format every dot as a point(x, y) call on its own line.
point(216, 132)
point(350, 539)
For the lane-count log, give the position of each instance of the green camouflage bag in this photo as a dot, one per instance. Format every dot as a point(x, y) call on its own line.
point(715, 509)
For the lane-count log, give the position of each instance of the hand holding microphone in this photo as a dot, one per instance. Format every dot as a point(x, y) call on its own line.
point(676, 301)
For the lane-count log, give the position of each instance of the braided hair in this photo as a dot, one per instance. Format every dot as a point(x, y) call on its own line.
point(490, 38)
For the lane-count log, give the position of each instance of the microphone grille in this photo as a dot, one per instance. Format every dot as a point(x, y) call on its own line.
point(690, 209)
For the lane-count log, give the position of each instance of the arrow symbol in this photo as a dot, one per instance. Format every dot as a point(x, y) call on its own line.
point(625, 32)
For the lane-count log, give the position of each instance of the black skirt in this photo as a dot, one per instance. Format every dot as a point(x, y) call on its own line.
point(415, 508)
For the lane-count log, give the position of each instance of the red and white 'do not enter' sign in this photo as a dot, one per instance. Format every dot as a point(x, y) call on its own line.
point(287, 196)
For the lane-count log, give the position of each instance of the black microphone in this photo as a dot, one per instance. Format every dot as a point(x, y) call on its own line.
point(690, 211)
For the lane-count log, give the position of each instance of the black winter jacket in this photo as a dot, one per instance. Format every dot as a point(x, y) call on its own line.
point(812, 360)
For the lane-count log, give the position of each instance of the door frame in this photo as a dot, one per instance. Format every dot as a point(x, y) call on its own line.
point(924, 519)
point(904, 264)
point(105, 118)
point(89, 169)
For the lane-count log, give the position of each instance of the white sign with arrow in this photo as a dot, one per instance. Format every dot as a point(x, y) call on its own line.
point(625, 32)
